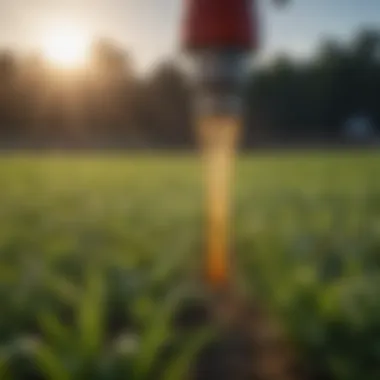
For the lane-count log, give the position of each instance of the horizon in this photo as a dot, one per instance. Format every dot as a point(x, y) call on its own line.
point(296, 30)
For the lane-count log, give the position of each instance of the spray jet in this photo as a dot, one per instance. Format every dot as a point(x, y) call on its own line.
point(219, 36)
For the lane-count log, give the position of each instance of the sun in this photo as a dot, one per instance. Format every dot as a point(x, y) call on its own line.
point(66, 46)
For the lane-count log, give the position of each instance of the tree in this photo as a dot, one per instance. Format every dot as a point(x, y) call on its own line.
point(110, 61)
point(313, 99)
point(110, 89)
point(9, 115)
point(168, 106)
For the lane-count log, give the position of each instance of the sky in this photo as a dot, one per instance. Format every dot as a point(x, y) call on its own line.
point(149, 28)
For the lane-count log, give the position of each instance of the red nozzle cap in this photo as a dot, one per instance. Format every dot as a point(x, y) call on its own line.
point(221, 24)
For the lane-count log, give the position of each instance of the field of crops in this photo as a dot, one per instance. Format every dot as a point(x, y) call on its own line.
point(96, 250)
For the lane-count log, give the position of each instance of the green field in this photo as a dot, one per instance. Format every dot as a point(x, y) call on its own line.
point(93, 248)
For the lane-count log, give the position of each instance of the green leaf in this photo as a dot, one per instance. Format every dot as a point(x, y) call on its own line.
point(53, 329)
point(63, 289)
point(179, 367)
point(5, 358)
point(91, 313)
point(50, 363)
point(156, 334)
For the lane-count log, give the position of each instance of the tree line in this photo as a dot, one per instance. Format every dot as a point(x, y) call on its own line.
point(312, 100)
point(106, 104)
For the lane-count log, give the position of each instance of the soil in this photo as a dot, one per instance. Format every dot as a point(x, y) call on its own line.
point(250, 344)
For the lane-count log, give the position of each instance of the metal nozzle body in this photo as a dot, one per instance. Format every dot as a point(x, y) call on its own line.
point(218, 79)
point(218, 35)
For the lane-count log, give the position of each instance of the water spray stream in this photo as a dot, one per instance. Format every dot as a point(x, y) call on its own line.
point(219, 36)
point(218, 139)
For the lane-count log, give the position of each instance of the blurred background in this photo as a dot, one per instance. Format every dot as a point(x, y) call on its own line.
point(95, 248)
point(108, 75)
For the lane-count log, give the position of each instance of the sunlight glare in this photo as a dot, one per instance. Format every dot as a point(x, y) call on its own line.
point(66, 46)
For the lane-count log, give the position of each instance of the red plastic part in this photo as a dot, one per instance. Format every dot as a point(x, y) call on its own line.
point(221, 24)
